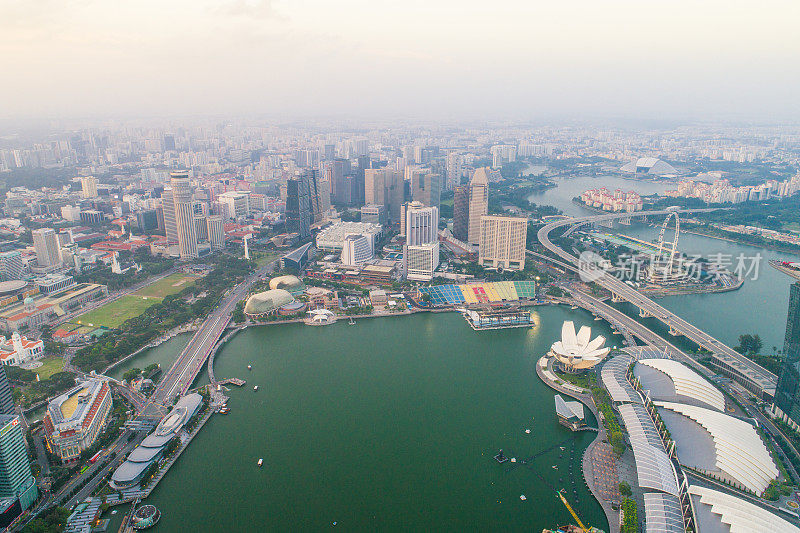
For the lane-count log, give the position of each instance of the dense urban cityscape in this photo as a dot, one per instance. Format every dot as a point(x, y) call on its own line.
point(413, 267)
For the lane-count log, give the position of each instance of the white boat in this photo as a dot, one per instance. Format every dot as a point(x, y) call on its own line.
point(351, 322)
point(249, 367)
point(522, 497)
point(255, 388)
point(260, 462)
point(527, 431)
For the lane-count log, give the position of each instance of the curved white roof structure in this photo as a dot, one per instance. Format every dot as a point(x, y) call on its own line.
point(663, 513)
point(578, 351)
point(739, 450)
point(687, 382)
point(614, 380)
point(649, 165)
point(639, 424)
point(653, 465)
point(740, 515)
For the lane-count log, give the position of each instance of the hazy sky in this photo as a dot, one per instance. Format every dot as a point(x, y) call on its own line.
point(420, 58)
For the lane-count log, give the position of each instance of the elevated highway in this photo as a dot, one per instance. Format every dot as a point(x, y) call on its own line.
point(750, 375)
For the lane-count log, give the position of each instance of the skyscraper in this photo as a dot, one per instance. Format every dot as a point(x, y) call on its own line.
point(11, 265)
point(16, 480)
point(502, 242)
point(426, 187)
point(385, 187)
point(45, 242)
point(298, 207)
point(478, 203)
point(89, 186)
point(787, 394)
point(168, 208)
point(315, 194)
point(184, 215)
point(461, 213)
point(421, 224)
point(453, 169)
point(342, 188)
point(216, 232)
point(6, 398)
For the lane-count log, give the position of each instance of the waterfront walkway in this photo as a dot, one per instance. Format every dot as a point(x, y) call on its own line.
point(594, 457)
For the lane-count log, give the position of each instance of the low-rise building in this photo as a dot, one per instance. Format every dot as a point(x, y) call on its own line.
point(75, 419)
point(19, 349)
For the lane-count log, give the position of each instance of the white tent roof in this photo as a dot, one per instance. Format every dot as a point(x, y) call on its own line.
point(687, 382)
point(741, 515)
point(739, 450)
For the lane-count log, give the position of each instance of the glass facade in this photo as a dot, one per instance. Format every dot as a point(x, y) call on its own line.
point(787, 394)
point(16, 479)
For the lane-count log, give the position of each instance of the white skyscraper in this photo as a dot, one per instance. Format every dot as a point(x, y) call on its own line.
point(89, 186)
point(478, 203)
point(216, 232)
point(184, 215)
point(48, 252)
point(421, 224)
point(454, 170)
point(356, 250)
point(503, 241)
point(168, 207)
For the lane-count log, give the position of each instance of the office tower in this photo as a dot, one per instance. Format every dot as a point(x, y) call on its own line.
point(237, 203)
point(48, 252)
point(342, 192)
point(298, 207)
point(216, 231)
point(374, 214)
point(328, 152)
point(16, 480)
point(169, 142)
point(385, 187)
point(324, 193)
point(461, 213)
point(422, 224)
point(170, 225)
point(502, 242)
point(89, 186)
point(478, 203)
point(787, 394)
point(184, 215)
point(11, 265)
point(453, 170)
point(356, 250)
point(315, 196)
point(201, 227)
point(364, 163)
point(420, 262)
point(426, 187)
point(6, 398)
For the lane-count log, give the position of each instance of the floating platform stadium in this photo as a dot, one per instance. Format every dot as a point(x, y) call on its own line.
point(498, 318)
point(498, 293)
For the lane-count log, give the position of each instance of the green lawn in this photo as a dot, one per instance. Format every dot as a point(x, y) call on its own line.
point(170, 285)
point(262, 258)
point(50, 366)
point(115, 313)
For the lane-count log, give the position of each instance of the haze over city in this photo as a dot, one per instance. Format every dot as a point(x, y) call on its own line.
point(456, 60)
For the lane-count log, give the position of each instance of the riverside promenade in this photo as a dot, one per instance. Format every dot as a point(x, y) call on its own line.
point(545, 373)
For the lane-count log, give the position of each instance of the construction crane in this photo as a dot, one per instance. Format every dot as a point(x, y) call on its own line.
point(584, 529)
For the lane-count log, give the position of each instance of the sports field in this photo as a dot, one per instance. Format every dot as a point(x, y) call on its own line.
point(170, 285)
point(50, 366)
point(115, 313)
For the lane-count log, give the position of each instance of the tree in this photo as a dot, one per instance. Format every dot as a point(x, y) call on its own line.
point(625, 489)
point(749, 344)
point(131, 374)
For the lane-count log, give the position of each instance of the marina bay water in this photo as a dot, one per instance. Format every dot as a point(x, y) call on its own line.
point(390, 424)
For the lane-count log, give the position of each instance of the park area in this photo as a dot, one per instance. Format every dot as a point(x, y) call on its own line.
point(132, 305)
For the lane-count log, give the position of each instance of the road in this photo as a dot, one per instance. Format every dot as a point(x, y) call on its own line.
point(751, 375)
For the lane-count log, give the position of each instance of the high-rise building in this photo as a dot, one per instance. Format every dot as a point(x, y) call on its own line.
point(356, 250)
point(421, 224)
point(342, 188)
point(461, 213)
point(453, 169)
point(374, 214)
point(74, 420)
point(478, 203)
point(168, 208)
point(216, 232)
point(6, 398)
point(502, 242)
point(426, 187)
point(48, 252)
point(385, 187)
point(237, 203)
point(11, 265)
point(787, 394)
point(16, 479)
point(89, 186)
point(184, 215)
point(315, 193)
point(298, 207)
point(420, 262)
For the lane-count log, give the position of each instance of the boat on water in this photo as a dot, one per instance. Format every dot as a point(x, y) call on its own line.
point(573, 307)
point(598, 318)
point(224, 410)
point(351, 322)
point(260, 462)
point(249, 367)
point(555, 467)
point(255, 388)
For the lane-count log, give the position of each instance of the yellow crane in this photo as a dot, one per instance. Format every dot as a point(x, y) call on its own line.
point(571, 511)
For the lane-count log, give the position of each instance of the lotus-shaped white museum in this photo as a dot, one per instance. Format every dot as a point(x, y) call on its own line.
point(578, 351)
